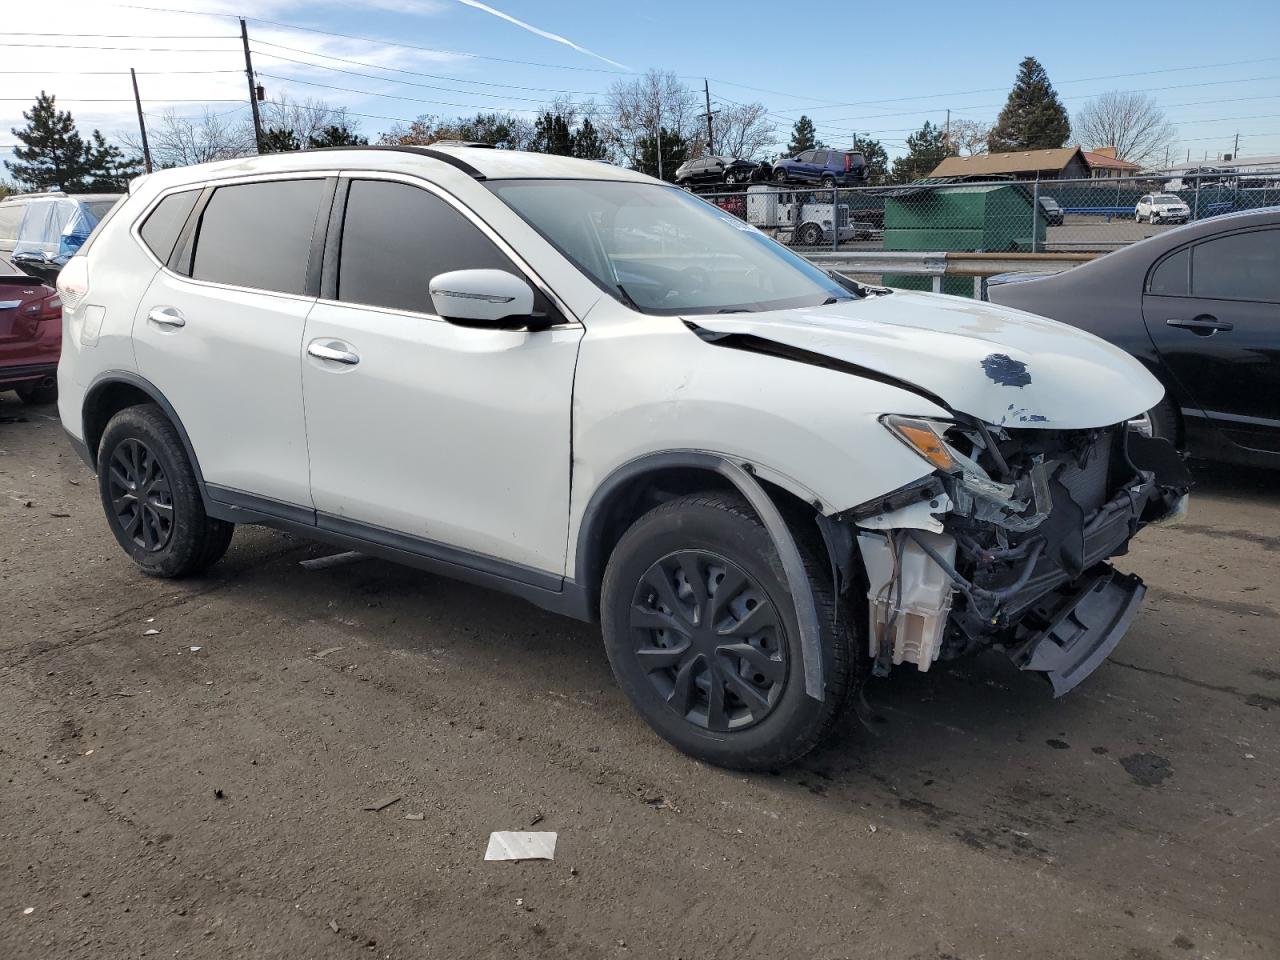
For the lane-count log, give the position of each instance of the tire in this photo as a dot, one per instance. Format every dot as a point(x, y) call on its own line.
point(779, 176)
point(1163, 420)
point(809, 235)
point(829, 182)
point(772, 721)
point(38, 395)
point(166, 530)
point(730, 179)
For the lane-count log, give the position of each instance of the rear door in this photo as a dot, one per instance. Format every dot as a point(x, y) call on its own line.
point(219, 331)
point(1213, 310)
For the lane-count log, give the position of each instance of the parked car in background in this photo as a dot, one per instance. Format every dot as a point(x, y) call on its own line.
point(831, 168)
point(712, 170)
point(1053, 214)
point(30, 335)
point(41, 231)
point(1161, 208)
point(1199, 306)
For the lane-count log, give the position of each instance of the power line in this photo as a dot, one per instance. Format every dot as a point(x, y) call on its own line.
point(112, 73)
point(412, 73)
point(82, 46)
point(128, 36)
point(118, 100)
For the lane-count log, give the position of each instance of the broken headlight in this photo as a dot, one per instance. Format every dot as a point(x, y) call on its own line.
point(923, 436)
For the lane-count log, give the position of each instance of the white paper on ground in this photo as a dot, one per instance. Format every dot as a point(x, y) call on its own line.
point(521, 845)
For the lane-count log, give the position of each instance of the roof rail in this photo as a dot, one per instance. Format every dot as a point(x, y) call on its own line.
point(440, 155)
point(29, 196)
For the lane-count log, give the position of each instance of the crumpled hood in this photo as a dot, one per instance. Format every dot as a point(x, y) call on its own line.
point(1001, 365)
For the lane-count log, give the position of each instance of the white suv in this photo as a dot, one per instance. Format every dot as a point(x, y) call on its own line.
point(593, 390)
point(1161, 208)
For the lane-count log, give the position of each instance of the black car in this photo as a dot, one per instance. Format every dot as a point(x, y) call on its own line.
point(713, 170)
point(1199, 305)
point(1053, 214)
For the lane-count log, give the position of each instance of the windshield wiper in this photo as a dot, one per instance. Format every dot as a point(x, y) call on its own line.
point(626, 298)
point(733, 310)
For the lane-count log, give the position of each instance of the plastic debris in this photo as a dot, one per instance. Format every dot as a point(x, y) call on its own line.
point(335, 560)
point(324, 653)
point(415, 816)
point(28, 911)
point(333, 925)
point(195, 649)
point(382, 804)
point(150, 633)
point(521, 845)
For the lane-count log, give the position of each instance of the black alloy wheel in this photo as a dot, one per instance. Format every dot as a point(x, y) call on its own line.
point(710, 640)
point(141, 499)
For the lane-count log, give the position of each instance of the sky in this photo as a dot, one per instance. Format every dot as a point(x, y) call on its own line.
point(870, 72)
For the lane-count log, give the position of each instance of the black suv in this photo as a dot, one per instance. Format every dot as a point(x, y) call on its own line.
point(704, 170)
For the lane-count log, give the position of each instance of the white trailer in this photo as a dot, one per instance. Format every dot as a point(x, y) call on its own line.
point(798, 217)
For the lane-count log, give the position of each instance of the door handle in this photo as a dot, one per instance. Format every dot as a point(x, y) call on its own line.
point(166, 316)
point(1203, 325)
point(333, 353)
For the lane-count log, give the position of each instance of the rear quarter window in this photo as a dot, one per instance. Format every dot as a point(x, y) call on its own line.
point(161, 228)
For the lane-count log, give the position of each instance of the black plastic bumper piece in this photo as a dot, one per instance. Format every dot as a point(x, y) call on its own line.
point(1084, 630)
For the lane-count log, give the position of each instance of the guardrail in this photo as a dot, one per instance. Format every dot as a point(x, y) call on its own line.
point(946, 264)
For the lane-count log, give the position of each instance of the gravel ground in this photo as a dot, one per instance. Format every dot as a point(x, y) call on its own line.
point(160, 801)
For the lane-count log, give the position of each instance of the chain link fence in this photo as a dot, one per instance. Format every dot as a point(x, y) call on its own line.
point(988, 216)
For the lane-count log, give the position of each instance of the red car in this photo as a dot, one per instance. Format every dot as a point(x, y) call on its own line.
point(30, 335)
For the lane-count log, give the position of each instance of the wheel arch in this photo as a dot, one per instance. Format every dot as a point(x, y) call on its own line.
point(637, 486)
point(115, 390)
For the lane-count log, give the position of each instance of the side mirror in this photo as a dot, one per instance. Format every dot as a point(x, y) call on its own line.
point(484, 298)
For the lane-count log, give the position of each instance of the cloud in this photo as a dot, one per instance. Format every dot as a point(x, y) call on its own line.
point(542, 33)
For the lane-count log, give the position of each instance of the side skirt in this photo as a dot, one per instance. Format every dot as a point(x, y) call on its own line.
point(545, 590)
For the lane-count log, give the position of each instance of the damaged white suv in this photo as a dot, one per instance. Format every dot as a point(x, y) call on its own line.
point(595, 391)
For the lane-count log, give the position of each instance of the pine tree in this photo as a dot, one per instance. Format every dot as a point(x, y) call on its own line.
point(587, 144)
point(926, 148)
point(109, 169)
point(1033, 117)
point(53, 155)
point(802, 137)
point(337, 136)
point(551, 135)
point(877, 159)
point(279, 140)
point(675, 151)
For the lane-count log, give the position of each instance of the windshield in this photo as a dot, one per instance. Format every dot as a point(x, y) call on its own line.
point(663, 251)
point(100, 208)
point(1049, 202)
point(1167, 198)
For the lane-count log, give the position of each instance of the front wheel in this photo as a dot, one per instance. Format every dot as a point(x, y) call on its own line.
point(151, 498)
point(810, 235)
point(701, 632)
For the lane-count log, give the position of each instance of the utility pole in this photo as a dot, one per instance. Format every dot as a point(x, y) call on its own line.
point(946, 137)
point(142, 127)
point(706, 92)
point(1235, 153)
point(253, 87)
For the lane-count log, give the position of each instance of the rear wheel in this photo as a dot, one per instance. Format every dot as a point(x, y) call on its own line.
point(151, 498)
point(1160, 421)
point(779, 176)
point(828, 182)
point(702, 635)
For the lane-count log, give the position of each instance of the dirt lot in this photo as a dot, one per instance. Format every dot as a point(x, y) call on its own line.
point(160, 802)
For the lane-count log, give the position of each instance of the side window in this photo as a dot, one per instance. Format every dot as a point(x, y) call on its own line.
point(807, 156)
point(1171, 277)
point(258, 235)
point(1240, 266)
point(1145, 200)
point(396, 237)
point(820, 157)
point(160, 230)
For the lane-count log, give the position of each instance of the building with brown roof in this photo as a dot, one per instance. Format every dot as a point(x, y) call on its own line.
point(1064, 163)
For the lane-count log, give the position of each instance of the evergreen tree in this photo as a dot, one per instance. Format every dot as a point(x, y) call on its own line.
point(551, 135)
point(926, 148)
point(877, 160)
point(1033, 117)
point(675, 150)
point(802, 137)
point(337, 136)
point(54, 156)
point(587, 143)
point(279, 140)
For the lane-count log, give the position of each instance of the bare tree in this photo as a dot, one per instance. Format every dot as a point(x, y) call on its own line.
point(969, 137)
point(305, 119)
point(1131, 122)
point(741, 130)
point(177, 141)
point(635, 109)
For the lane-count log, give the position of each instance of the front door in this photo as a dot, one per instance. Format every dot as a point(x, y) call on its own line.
point(1213, 310)
point(441, 438)
point(224, 344)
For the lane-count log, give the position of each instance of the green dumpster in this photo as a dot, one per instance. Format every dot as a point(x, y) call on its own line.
point(965, 218)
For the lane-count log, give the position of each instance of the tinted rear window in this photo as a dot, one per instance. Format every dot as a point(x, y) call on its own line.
point(259, 235)
point(1171, 277)
point(396, 237)
point(1241, 266)
point(161, 228)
